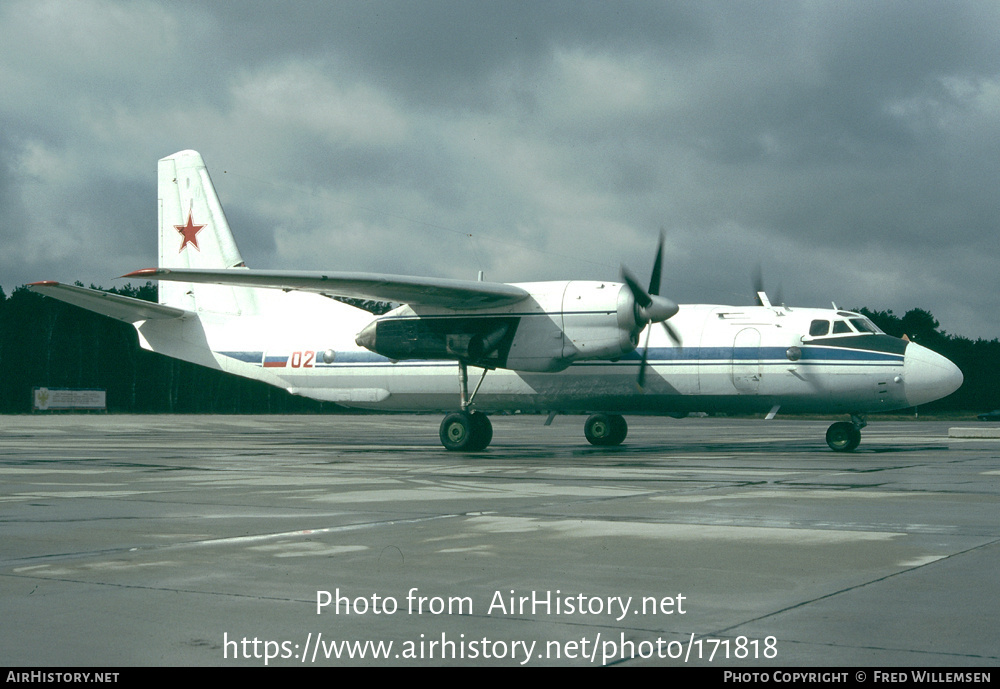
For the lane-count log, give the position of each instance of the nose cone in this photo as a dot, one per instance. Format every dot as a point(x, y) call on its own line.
point(928, 376)
point(366, 338)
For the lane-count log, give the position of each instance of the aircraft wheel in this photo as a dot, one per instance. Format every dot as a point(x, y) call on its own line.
point(843, 436)
point(466, 431)
point(482, 431)
point(605, 430)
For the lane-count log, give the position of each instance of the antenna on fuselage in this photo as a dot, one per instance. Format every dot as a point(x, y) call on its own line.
point(758, 288)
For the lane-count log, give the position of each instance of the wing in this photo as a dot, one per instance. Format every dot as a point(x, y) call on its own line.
point(416, 291)
point(126, 309)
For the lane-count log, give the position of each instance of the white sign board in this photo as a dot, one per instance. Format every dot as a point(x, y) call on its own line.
point(57, 399)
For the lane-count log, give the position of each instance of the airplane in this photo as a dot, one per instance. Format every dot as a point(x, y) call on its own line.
point(557, 347)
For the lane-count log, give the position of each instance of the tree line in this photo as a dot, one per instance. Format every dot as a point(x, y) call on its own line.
point(46, 343)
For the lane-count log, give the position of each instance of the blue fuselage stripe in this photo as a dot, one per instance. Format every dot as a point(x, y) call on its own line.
point(656, 356)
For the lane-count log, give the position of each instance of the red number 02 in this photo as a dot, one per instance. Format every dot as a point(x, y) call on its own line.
point(302, 359)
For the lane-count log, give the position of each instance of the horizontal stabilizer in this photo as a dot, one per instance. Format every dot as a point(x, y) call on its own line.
point(128, 309)
point(415, 291)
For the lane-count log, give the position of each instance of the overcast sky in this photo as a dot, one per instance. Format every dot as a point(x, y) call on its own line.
point(850, 149)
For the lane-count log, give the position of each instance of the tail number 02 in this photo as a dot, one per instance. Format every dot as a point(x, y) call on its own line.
point(302, 359)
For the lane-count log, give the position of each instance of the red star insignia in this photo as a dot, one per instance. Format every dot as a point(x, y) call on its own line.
point(190, 233)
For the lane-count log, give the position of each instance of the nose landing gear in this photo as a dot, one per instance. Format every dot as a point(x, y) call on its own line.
point(605, 430)
point(845, 436)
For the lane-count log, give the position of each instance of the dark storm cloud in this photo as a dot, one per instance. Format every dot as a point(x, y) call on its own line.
point(847, 147)
point(448, 50)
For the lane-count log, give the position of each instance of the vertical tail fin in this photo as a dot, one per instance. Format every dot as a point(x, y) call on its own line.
point(194, 233)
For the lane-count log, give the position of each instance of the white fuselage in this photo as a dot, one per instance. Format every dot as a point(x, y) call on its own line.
point(733, 359)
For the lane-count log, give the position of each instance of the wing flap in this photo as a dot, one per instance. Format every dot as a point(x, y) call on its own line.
point(128, 309)
point(416, 291)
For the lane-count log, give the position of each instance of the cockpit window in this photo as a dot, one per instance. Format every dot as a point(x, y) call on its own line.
point(850, 326)
point(865, 326)
point(819, 328)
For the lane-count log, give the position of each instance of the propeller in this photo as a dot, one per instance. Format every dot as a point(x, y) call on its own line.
point(650, 307)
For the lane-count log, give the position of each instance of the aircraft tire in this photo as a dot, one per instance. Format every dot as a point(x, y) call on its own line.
point(466, 432)
point(605, 430)
point(482, 431)
point(843, 436)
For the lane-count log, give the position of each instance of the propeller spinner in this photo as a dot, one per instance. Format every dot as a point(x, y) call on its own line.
point(650, 307)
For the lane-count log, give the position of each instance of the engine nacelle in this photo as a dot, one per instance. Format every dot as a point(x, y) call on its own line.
point(560, 323)
point(404, 334)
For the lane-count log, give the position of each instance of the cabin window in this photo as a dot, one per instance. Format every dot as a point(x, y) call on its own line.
point(819, 328)
point(841, 327)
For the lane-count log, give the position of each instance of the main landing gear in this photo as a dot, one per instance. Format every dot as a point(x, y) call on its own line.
point(605, 430)
point(845, 436)
point(465, 430)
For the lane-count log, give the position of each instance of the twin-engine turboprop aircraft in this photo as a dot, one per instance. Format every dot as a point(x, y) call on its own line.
point(569, 347)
